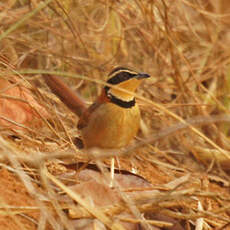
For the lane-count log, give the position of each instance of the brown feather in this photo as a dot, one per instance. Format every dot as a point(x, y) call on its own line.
point(66, 95)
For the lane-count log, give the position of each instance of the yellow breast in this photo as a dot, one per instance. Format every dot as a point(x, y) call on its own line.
point(111, 126)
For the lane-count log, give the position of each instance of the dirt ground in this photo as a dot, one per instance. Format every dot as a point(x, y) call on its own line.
point(16, 201)
point(14, 194)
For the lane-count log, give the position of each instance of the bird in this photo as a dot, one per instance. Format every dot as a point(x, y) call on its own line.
point(113, 120)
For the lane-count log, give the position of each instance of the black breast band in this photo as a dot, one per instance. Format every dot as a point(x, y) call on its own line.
point(121, 103)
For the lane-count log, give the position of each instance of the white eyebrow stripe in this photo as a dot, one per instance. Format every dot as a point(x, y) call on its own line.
point(122, 70)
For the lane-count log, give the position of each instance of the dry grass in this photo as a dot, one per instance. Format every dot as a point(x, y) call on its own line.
point(184, 45)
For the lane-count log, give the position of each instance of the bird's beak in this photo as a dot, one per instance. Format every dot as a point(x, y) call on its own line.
point(142, 75)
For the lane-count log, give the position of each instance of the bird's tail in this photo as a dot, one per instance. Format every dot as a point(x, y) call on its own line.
point(66, 95)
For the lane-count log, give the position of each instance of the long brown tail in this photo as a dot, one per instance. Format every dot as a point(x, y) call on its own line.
point(66, 95)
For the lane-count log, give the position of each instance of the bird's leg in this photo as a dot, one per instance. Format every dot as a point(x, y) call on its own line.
point(112, 172)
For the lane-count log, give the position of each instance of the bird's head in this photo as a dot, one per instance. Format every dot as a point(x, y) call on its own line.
point(124, 78)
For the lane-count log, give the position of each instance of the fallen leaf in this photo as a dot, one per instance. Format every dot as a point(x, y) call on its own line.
point(18, 106)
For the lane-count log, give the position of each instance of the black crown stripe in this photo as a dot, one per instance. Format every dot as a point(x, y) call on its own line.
point(120, 77)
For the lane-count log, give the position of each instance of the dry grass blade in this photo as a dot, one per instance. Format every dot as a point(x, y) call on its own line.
point(26, 17)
